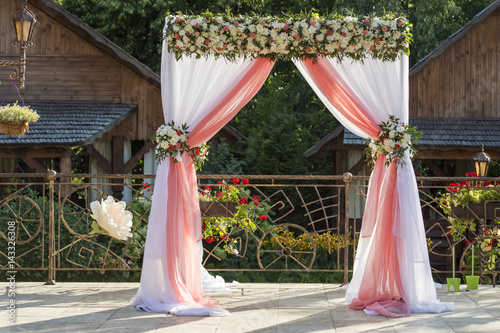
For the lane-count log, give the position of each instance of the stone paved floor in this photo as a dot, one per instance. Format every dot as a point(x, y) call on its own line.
point(259, 308)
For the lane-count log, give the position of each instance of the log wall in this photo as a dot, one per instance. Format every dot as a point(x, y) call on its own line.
point(464, 80)
point(63, 66)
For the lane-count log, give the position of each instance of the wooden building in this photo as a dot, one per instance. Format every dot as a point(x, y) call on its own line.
point(454, 100)
point(89, 93)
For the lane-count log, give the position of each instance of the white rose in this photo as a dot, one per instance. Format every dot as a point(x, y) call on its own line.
point(392, 134)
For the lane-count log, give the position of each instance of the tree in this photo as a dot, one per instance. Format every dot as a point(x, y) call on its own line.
point(285, 118)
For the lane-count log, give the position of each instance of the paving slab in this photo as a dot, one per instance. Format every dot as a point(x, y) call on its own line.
point(255, 308)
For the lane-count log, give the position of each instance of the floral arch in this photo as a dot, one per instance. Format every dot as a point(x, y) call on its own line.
point(212, 65)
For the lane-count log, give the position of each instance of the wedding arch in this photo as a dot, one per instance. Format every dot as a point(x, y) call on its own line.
point(212, 65)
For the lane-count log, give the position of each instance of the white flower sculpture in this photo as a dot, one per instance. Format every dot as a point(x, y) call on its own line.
point(112, 218)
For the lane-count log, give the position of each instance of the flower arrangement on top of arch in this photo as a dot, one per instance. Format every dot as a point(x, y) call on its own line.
point(303, 36)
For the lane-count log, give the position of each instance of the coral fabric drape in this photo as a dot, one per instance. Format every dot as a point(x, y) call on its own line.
point(392, 272)
point(205, 94)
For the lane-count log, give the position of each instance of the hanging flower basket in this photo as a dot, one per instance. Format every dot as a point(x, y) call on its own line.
point(14, 119)
point(218, 208)
point(13, 128)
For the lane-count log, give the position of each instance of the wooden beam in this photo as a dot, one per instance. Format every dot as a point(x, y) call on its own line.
point(140, 154)
point(54, 152)
point(340, 162)
point(435, 168)
point(34, 164)
point(454, 153)
point(101, 160)
point(358, 166)
point(117, 165)
point(65, 167)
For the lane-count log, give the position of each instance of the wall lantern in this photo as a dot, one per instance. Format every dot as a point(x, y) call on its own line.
point(482, 163)
point(24, 24)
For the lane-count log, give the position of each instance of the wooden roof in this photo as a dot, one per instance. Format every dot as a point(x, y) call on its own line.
point(439, 134)
point(70, 124)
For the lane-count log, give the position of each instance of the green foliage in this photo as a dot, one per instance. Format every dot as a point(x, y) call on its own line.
point(221, 160)
point(282, 122)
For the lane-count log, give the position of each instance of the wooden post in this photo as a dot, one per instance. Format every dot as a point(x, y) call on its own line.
point(117, 165)
point(65, 167)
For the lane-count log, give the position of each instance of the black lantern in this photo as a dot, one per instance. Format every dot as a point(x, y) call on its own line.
point(482, 163)
point(25, 23)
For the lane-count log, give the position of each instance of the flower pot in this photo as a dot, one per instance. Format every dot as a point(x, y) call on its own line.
point(472, 281)
point(13, 128)
point(487, 210)
point(217, 208)
point(453, 284)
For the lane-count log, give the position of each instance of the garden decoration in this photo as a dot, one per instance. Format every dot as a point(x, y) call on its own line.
point(110, 218)
point(14, 119)
point(453, 282)
point(472, 280)
point(212, 65)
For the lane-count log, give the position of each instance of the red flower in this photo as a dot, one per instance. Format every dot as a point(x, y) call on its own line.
point(208, 188)
point(176, 36)
point(245, 181)
point(171, 147)
point(243, 201)
point(344, 34)
point(328, 32)
point(219, 195)
point(262, 218)
point(312, 22)
point(146, 185)
point(296, 37)
point(226, 28)
point(235, 181)
point(224, 236)
point(365, 32)
point(207, 41)
point(253, 35)
point(384, 28)
point(256, 198)
point(372, 47)
point(209, 240)
point(286, 27)
point(15, 170)
point(197, 151)
point(378, 40)
point(262, 23)
point(487, 183)
point(397, 146)
point(203, 226)
point(219, 183)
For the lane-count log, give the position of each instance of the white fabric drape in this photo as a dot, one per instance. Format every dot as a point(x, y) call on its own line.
point(380, 88)
point(191, 88)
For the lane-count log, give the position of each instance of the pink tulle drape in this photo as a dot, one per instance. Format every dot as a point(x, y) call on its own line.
point(183, 219)
point(381, 288)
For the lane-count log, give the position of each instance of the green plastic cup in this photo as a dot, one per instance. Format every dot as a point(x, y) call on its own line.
point(453, 284)
point(472, 281)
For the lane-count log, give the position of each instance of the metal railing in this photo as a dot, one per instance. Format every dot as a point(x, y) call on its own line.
point(276, 224)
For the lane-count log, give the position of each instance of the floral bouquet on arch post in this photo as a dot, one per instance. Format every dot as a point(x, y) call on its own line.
point(172, 143)
point(395, 138)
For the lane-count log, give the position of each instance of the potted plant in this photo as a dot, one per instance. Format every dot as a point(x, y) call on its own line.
point(14, 119)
